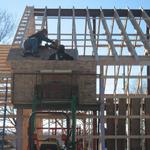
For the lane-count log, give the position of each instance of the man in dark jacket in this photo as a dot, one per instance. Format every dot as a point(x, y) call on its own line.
point(32, 44)
point(60, 54)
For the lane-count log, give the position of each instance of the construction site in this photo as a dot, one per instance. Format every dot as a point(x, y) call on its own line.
point(100, 100)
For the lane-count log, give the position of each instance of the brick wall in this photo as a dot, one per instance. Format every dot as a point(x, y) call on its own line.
point(26, 76)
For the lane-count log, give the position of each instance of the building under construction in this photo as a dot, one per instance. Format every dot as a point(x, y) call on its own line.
point(100, 100)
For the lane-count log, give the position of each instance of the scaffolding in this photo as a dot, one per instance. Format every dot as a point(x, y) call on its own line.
point(114, 45)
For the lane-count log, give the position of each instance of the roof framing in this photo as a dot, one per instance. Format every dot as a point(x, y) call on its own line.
point(117, 37)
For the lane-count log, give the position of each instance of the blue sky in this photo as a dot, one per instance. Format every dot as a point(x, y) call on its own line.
point(16, 7)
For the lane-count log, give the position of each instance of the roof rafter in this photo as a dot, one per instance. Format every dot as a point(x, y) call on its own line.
point(139, 31)
point(74, 39)
point(109, 37)
point(93, 40)
point(146, 17)
point(128, 42)
point(59, 25)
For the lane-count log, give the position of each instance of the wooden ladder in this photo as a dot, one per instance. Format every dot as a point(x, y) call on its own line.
point(22, 28)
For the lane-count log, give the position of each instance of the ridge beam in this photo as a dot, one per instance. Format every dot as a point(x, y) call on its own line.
point(93, 40)
point(139, 31)
point(128, 42)
point(109, 38)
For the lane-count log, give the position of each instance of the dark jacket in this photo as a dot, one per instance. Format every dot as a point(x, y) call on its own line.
point(60, 54)
point(40, 36)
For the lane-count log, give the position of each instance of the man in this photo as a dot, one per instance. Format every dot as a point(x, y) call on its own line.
point(32, 44)
point(60, 54)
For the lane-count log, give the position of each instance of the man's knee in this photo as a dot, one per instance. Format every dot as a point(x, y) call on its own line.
point(27, 45)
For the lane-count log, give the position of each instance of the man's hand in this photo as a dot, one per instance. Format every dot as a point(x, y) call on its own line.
point(53, 42)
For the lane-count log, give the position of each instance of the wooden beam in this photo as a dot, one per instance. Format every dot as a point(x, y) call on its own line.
point(126, 38)
point(126, 96)
point(93, 41)
point(19, 128)
point(59, 25)
point(44, 19)
point(93, 12)
point(122, 60)
point(85, 34)
point(74, 38)
point(135, 125)
point(109, 38)
point(146, 17)
point(139, 30)
point(106, 70)
point(4, 50)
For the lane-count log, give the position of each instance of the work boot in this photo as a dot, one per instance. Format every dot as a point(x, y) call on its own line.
point(35, 55)
point(26, 54)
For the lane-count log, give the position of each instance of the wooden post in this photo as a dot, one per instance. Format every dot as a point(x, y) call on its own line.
point(148, 67)
point(26, 114)
point(147, 123)
point(94, 112)
point(19, 129)
point(135, 124)
point(121, 124)
point(102, 108)
point(73, 110)
point(110, 110)
point(147, 104)
point(94, 129)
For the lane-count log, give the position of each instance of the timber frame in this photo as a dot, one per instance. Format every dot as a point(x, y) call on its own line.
point(117, 41)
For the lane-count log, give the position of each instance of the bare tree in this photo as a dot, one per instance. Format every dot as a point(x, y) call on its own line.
point(6, 25)
point(6, 29)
